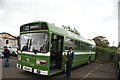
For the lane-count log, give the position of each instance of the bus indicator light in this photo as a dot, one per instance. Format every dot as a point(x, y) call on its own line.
point(19, 57)
point(43, 62)
point(64, 53)
point(38, 61)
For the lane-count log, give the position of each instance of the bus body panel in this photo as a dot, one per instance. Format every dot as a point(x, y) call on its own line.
point(79, 59)
point(29, 61)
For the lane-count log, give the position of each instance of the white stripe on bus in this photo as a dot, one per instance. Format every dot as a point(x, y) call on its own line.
point(32, 53)
point(48, 54)
point(77, 53)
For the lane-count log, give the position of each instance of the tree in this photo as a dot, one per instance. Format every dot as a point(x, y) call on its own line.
point(68, 28)
point(102, 47)
point(101, 41)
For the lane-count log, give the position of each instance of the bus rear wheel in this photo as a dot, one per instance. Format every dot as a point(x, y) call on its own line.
point(118, 71)
point(118, 74)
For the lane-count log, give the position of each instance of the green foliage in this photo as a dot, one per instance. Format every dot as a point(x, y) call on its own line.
point(71, 30)
point(105, 41)
point(113, 49)
point(101, 44)
point(101, 41)
point(102, 47)
point(107, 50)
point(101, 37)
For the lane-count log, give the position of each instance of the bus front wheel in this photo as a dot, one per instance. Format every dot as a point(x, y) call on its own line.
point(89, 60)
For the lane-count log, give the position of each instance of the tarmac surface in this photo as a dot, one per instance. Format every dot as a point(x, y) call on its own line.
point(93, 70)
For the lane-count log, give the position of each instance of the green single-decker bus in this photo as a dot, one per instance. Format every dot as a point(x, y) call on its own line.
point(43, 48)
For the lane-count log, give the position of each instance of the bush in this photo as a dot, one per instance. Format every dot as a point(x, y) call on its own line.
point(111, 51)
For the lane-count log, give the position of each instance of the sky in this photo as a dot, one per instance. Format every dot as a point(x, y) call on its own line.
point(90, 17)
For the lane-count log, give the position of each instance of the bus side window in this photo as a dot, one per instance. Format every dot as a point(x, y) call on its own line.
point(69, 43)
point(77, 45)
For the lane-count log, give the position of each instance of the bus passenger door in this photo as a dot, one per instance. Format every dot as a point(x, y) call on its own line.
point(56, 52)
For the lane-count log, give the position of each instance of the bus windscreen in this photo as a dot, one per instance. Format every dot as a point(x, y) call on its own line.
point(34, 42)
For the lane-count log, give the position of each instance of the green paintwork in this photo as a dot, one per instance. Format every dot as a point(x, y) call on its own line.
point(55, 72)
point(34, 22)
point(78, 59)
point(62, 32)
point(68, 34)
point(32, 60)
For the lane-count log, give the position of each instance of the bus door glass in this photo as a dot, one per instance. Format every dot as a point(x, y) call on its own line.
point(56, 52)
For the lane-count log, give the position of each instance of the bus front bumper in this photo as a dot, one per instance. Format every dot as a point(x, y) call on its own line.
point(37, 71)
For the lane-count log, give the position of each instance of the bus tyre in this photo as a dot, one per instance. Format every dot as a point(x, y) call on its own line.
point(118, 71)
point(89, 60)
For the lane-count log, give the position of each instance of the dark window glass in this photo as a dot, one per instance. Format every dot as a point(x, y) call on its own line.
point(92, 47)
point(82, 46)
point(7, 41)
point(21, 29)
point(44, 26)
point(34, 26)
point(87, 46)
point(77, 45)
point(69, 43)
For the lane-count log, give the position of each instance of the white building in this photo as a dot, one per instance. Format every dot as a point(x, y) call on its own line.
point(7, 39)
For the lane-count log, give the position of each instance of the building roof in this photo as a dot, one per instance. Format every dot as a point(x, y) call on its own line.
point(5, 35)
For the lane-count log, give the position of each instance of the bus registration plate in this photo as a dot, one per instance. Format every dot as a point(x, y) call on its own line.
point(27, 68)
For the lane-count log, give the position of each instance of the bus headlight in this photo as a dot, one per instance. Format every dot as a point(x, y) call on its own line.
point(19, 57)
point(39, 61)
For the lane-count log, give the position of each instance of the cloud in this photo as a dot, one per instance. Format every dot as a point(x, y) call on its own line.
point(90, 17)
